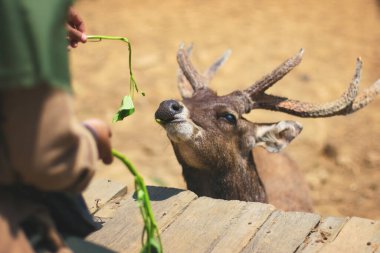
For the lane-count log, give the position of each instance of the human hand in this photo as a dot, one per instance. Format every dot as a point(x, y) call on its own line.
point(75, 28)
point(102, 133)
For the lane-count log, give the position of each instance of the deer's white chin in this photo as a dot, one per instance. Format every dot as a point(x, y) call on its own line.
point(180, 131)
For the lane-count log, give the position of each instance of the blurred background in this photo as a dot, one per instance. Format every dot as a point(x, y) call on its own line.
point(339, 156)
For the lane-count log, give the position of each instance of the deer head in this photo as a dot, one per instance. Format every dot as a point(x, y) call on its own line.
point(213, 141)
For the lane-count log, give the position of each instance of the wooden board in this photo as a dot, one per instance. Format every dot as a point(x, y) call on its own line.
point(100, 192)
point(191, 224)
point(283, 232)
point(326, 232)
point(109, 210)
point(243, 228)
point(202, 223)
point(123, 232)
point(358, 235)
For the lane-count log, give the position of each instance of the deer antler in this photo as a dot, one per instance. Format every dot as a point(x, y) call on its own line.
point(211, 71)
point(349, 102)
point(196, 80)
point(277, 74)
point(256, 98)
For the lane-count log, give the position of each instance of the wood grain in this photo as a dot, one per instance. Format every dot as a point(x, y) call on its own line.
point(191, 224)
point(326, 232)
point(201, 225)
point(100, 192)
point(283, 232)
point(124, 231)
point(243, 228)
point(358, 235)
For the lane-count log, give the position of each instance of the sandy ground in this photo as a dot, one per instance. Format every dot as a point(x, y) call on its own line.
point(339, 156)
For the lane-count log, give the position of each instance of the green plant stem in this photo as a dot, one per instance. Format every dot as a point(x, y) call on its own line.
point(124, 39)
point(126, 162)
point(139, 178)
point(150, 225)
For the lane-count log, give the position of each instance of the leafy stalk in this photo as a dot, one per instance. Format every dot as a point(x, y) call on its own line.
point(126, 108)
point(152, 241)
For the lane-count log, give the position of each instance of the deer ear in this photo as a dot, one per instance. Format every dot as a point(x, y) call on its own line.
point(277, 136)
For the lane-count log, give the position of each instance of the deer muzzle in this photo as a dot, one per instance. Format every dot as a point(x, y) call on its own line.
point(174, 117)
point(168, 111)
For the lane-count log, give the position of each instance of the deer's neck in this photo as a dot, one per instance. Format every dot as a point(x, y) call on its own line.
point(230, 180)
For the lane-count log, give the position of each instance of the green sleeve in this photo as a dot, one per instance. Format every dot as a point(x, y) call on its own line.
point(33, 45)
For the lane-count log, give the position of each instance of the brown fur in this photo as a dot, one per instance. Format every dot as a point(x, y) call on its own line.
point(284, 183)
point(219, 163)
point(213, 141)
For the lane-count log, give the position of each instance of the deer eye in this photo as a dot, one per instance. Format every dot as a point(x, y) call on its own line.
point(230, 118)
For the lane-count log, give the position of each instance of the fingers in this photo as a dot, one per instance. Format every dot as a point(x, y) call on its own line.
point(75, 36)
point(75, 20)
point(102, 134)
point(106, 155)
point(75, 29)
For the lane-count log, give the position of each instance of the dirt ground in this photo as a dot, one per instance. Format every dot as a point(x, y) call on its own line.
point(339, 156)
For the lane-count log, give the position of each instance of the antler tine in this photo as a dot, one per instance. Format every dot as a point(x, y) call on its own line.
point(364, 98)
point(268, 80)
point(196, 80)
point(210, 73)
point(344, 105)
point(184, 87)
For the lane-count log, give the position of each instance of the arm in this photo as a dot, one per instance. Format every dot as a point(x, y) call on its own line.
point(47, 147)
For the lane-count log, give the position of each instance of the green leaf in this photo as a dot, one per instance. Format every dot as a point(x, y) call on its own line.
point(126, 108)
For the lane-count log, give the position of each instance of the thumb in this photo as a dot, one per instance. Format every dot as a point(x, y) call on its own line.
point(102, 134)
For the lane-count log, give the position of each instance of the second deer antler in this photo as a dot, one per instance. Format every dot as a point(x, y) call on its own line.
point(348, 103)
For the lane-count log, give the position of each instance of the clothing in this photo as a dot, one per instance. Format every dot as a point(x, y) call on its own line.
point(44, 147)
point(32, 43)
point(43, 144)
point(13, 212)
point(47, 157)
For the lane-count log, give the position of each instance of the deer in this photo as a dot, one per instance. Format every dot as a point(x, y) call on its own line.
point(218, 148)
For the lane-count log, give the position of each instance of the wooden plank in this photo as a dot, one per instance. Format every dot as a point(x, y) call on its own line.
point(358, 235)
point(166, 212)
point(205, 222)
point(326, 232)
point(243, 228)
point(210, 225)
point(109, 210)
point(375, 245)
point(124, 231)
point(100, 192)
point(283, 232)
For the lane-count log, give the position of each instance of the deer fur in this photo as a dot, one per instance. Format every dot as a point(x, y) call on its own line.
point(223, 155)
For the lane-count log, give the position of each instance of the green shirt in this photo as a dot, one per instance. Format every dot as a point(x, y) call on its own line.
point(33, 45)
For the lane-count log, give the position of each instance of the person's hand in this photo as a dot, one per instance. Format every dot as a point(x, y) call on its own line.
point(102, 133)
point(75, 29)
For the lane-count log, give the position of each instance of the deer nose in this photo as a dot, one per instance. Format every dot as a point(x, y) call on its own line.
point(167, 110)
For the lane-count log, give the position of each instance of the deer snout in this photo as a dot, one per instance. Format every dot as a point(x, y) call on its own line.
point(167, 110)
